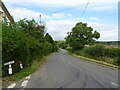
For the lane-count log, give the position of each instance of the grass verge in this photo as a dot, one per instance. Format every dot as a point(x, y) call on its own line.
point(95, 61)
point(27, 71)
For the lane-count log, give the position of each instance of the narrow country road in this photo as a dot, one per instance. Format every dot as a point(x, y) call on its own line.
point(64, 71)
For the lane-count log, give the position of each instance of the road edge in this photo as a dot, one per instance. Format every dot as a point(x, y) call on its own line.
point(95, 61)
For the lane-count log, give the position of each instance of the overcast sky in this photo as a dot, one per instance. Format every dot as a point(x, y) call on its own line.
point(62, 15)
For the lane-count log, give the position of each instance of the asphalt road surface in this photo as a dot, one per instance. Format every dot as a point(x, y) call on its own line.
point(64, 71)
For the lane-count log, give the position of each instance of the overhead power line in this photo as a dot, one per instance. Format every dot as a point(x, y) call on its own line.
point(75, 7)
point(85, 9)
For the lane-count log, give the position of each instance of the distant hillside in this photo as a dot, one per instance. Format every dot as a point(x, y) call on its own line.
point(109, 42)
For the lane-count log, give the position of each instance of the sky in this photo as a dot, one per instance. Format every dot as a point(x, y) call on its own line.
point(61, 16)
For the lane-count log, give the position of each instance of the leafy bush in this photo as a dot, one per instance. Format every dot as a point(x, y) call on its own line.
point(95, 51)
point(112, 52)
point(99, 52)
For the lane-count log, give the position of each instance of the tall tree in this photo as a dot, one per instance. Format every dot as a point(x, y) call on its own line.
point(81, 34)
point(48, 38)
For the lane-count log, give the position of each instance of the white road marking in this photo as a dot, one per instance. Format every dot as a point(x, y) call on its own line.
point(12, 85)
point(28, 77)
point(114, 84)
point(24, 84)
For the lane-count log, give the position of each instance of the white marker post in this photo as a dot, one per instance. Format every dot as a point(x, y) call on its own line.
point(21, 66)
point(10, 68)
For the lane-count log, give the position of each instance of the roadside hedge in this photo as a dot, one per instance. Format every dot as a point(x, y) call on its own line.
point(112, 52)
point(24, 41)
point(99, 52)
point(95, 51)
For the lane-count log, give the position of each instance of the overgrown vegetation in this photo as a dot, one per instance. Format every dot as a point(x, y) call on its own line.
point(24, 41)
point(99, 52)
point(82, 35)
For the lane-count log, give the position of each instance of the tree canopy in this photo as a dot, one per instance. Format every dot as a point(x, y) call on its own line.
point(81, 35)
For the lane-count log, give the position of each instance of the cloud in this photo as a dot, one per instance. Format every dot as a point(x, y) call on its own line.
point(79, 19)
point(109, 35)
point(94, 4)
point(20, 13)
point(62, 2)
point(103, 6)
point(107, 32)
point(59, 28)
point(60, 15)
point(94, 18)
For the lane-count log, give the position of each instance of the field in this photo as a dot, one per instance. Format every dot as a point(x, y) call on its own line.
point(112, 46)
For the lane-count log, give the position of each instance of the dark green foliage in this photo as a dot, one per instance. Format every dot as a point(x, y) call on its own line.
point(25, 41)
point(49, 39)
point(95, 51)
point(81, 35)
point(48, 48)
point(112, 52)
point(118, 58)
point(99, 52)
point(63, 45)
point(55, 47)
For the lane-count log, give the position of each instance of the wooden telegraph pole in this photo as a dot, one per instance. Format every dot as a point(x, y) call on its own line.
point(40, 19)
